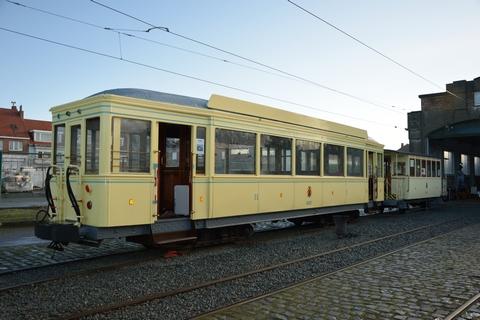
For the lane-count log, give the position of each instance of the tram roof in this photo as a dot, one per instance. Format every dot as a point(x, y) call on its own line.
point(155, 96)
point(231, 105)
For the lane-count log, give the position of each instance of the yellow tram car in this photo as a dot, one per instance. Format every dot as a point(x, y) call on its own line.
point(156, 167)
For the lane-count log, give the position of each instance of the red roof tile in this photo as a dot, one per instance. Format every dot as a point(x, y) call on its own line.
point(11, 124)
point(38, 125)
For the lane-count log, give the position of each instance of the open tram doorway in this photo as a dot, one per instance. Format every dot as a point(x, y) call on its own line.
point(174, 171)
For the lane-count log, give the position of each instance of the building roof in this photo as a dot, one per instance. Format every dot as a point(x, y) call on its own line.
point(155, 96)
point(12, 124)
point(38, 125)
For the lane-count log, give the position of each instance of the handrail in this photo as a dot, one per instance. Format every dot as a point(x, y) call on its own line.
point(48, 190)
point(70, 193)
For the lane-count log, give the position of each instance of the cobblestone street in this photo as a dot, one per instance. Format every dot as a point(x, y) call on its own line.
point(426, 281)
point(29, 256)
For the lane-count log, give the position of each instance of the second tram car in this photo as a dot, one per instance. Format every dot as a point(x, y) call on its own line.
point(411, 179)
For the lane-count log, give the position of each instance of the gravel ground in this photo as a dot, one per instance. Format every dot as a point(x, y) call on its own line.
point(56, 298)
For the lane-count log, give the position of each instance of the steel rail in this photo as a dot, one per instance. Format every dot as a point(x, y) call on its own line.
point(298, 284)
point(460, 310)
point(117, 265)
point(61, 263)
point(161, 295)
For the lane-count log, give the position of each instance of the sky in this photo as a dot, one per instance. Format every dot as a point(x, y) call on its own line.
point(437, 39)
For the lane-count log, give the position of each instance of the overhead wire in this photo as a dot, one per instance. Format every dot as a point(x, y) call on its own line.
point(138, 63)
point(122, 31)
point(356, 39)
point(211, 46)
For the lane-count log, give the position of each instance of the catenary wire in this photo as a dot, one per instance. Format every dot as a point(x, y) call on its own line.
point(123, 32)
point(138, 63)
point(371, 48)
point(211, 46)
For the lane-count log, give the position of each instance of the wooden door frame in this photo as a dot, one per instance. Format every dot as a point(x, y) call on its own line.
point(186, 159)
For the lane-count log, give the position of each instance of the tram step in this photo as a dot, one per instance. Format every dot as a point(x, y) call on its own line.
point(173, 240)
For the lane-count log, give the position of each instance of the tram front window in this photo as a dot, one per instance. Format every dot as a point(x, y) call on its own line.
point(92, 149)
point(59, 145)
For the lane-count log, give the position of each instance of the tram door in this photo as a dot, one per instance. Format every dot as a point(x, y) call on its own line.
point(174, 171)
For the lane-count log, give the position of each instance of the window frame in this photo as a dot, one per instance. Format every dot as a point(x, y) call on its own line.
point(412, 167)
point(76, 159)
point(283, 157)
point(116, 163)
point(86, 151)
point(204, 167)
point(308, 154)
point(476, 99)
point(55, 144)
point(362, 162)
point(341, 169)
point(226, 167)
point(13, 143)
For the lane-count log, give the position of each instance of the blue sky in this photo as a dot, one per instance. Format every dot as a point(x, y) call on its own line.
point(438, 39)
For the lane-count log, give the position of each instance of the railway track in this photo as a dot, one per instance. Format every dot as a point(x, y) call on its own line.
point(463, 308)
point(65, 262)
point(104, 309)
point(454, 315)
point(155, 255)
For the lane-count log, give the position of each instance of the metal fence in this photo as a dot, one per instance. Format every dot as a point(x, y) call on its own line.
point(23, 172)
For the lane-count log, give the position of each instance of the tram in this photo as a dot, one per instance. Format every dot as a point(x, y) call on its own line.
point(411, 179)
point(156, 168)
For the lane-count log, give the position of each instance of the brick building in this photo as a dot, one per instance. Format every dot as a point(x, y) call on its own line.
point(448, 126)
point(25, 143)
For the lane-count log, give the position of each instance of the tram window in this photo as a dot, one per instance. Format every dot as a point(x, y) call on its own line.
point(134, 145)
point(429, 168)
point(333, 160)
point(276, 155)
point(417, 168)
point(234, 152)
point(92, 146)
point(172, 152)
point(354, 162)
point(59, 144)
point(401, 169)
point(201, 148)
point(424, 168)
point(439, 170)
point(75, 142)
point(412, 167)
point(308, 158)
point(379, 165)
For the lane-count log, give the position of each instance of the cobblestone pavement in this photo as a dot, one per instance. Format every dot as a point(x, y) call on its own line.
point(426, 281)
point(29, 256)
